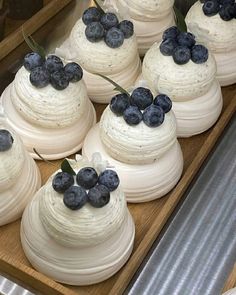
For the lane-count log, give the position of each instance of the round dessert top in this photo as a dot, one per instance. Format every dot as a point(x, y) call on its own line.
point(180, 82)
point(12, 157)
point(92, 223)
point(47, 106)
point(217, 34)
point(97, 57)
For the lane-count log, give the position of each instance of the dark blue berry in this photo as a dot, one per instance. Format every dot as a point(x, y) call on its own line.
point(94, 32)
point(53, 63)
point(199, 54)
point(110, 179)
point(127, 28)
point(186, 39)
point(211, 7)
point(92, 14)
point(59, 80)
point(87, 177)
point(119, 104)
point(114, 37)
point(181, 55)
point(224, 2)
point(132, 115)
point(141, 97)
point(62, 181)
point(6, 140)
point(99, 196)
point(109, 20)
point(33, 60)
point(171, 33)
point(75, 197)
point(73, 71)
point(153, 116)
point(227, 12)
point(39, 77)
point(164, 102)
point(168, 46)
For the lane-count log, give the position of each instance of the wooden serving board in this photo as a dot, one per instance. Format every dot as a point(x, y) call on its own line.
point(149, 217)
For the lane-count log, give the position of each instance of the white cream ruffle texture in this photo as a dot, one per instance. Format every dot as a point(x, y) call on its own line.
point(16, 166)
point(219, 36)
point(120, 64)
point(53, 122)
point(83, 247)
point(138, 144)
point(230, 292)
point(140, 182)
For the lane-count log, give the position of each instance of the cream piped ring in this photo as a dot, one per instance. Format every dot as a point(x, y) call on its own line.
point(231, 292)
point(226, 69)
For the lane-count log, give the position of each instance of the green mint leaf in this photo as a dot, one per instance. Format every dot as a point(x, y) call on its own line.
point(66, 167)
point(33, 45)
point(180, 21)
point(117, 87)
point(99, 6)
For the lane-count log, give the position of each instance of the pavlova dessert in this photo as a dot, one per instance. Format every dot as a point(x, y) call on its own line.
point(102, 43)
point(186, 72)
point(19, 175)
point(77, 229)
point(213, 22)
point(47, 104)
point(150, 18)
point(137, 135)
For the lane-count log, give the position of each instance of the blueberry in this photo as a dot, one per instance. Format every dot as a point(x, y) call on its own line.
point(141, 97)
point(119, 104)
point(6, 140)
point(75, 197)
point(94, 32)
point(73, 71)
point(181, 55)
point(211, 7)
point(171, 33)
point(53, 63)
point(87, 177)
point(92, 14)
point(62, 181)
point(225, 2)
point(99, 196)
point(59, 80)
point(153, 116)
point(110, 179)
point(186, 39)
point(227, 12)
point(199, 54)
point(132, 115)
point(33, 60)
point(109, 20)
point(127, 28)
point(168, 46)
point(114, 37)
point(39, 77)
point(164, 102)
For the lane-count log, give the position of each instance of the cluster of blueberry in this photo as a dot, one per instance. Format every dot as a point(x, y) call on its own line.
point(182, 47)
point(225, 8)
point(92, 188)
point(6, 140)
point(141, 106)
point(51, 70)
point(106, 26)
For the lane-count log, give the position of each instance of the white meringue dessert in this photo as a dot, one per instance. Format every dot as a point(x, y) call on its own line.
point(149, 160)
point(230, 292)
point(150, 18)
point(84, 246)
point(19, 177)
point(193, 89)
point(54, 122)
point(219, 36)
point(122, 64)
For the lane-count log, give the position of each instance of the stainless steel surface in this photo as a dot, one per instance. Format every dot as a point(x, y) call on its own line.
point(8, 287)
point(198, 250)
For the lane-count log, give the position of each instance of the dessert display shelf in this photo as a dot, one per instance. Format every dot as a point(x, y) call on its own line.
point(149, 217)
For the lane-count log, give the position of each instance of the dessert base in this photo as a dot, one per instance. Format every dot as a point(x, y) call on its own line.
point(14, 200)
point(144, 182)
point(51, 143)
point(226, 71)
point(198, 115)
point(71, 265)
